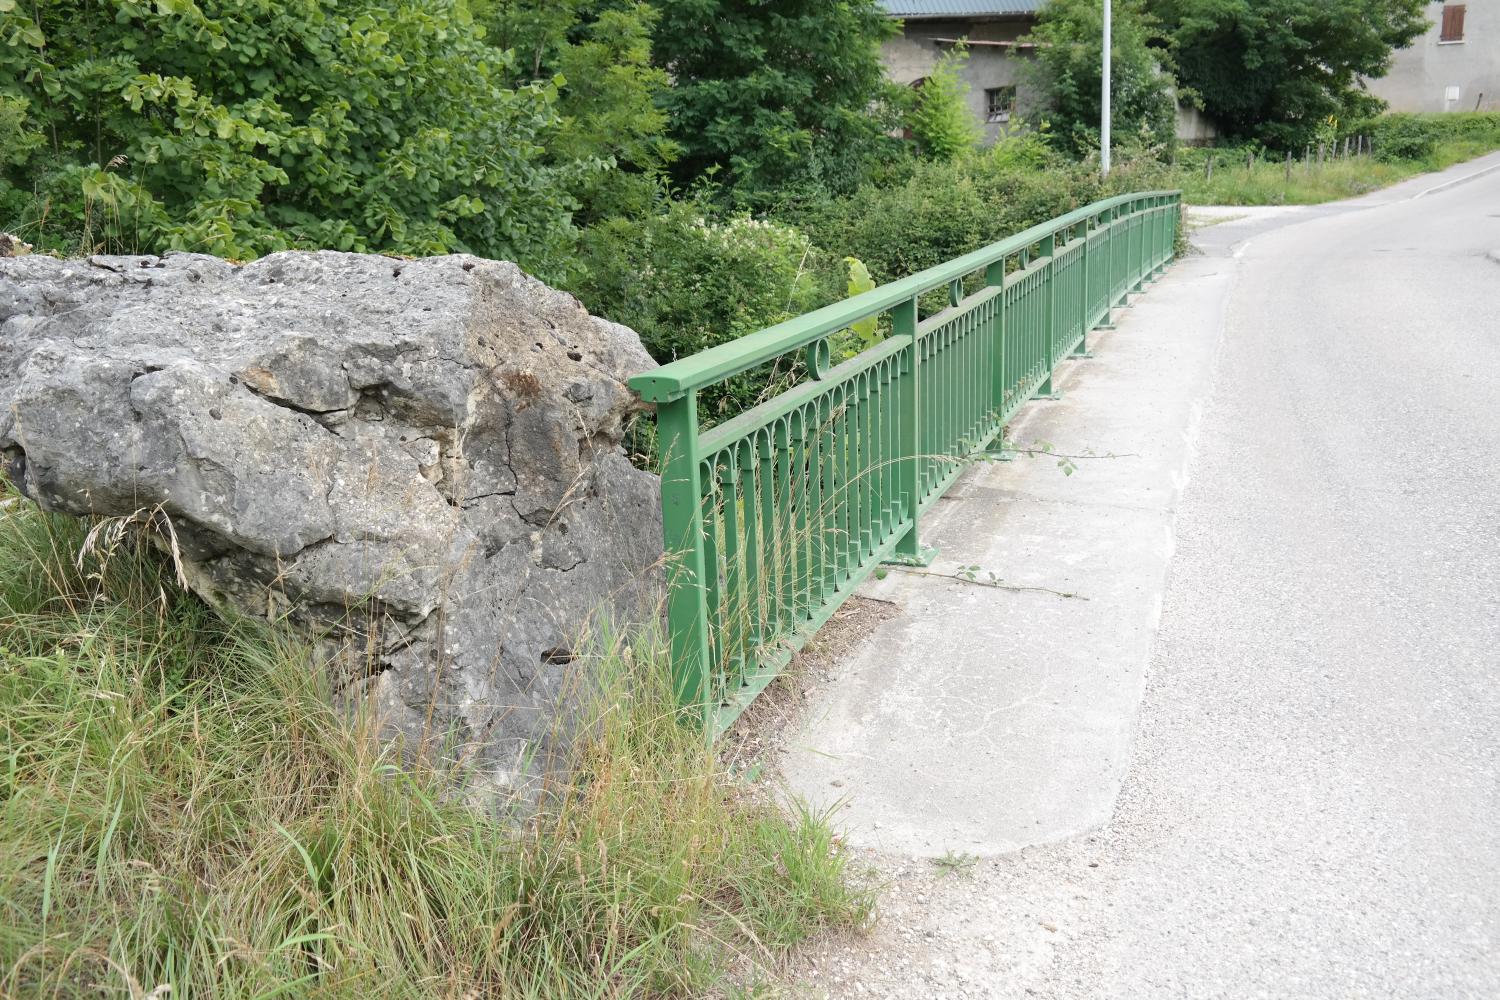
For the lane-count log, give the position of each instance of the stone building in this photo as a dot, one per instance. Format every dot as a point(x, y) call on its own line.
point(991, 29)
point(1455, 66)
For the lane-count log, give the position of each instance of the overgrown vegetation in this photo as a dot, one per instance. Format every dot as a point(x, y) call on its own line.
point(1273, 70)
point(1403, 146)
point(940, 121)
point(777, 99)
point(182, 814)
point(1069, 69)
point(238, 130)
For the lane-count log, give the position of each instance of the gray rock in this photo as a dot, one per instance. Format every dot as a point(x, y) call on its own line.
point(417, 462)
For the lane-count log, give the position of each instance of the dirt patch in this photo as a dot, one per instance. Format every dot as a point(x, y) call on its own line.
point(753, 744)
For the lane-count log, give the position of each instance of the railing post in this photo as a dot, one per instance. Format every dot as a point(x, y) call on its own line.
point(994, 276)
point(1137, 248)
point(1086, 306)
point(682, 531)
point(909, 550)
point(1088, 289)
point(1167, 235)
point(1048, 250)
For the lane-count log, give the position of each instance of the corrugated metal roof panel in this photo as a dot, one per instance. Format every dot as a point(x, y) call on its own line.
point(958, 8)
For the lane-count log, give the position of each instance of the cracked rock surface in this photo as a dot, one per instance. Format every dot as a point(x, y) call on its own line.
point(418, 462)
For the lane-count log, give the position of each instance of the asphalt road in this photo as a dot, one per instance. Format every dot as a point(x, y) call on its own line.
point(1312, 802)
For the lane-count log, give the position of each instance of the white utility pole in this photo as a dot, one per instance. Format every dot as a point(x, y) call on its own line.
point(1104, 98)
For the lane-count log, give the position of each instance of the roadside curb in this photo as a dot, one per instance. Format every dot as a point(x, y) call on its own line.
point(1457, 181)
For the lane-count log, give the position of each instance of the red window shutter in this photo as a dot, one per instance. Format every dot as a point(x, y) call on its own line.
point(1453, 22)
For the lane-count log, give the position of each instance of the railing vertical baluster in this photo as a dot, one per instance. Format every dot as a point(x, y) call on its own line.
point(713, 632)
point(770, 537)
point(880, 451)
point(812, 508)
point(868, 450)
point(796, 518)
point(735, 621)
point(786, 505)
point(833, 498)
point(979, 367)
point(927, 407)
point(890, 423)
point(948, 347)
point(904, 324)
point(750, 500)
point(851, 445)
point(860, 443)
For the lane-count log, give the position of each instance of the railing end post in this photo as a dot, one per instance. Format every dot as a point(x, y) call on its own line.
point(682, 535)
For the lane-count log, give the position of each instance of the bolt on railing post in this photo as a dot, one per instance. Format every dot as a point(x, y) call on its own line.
point(908, 444)
point(682, 531)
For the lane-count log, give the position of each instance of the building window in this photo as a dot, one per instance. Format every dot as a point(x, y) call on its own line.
point(999, 104)
point(1453, 22)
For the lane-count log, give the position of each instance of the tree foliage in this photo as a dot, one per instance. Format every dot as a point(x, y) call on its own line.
point(775, 96)
point(940, 120)
point(1068, 68)
point(598, 54)
point(241, 128)
point(1273, 69)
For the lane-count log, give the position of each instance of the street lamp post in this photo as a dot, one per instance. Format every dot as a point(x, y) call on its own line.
point(1104, 97)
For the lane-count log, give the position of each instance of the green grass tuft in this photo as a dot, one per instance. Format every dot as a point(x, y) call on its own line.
point(180, 807)
point(1267, 183)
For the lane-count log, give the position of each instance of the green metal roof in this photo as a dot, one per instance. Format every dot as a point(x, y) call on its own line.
point(958, 8)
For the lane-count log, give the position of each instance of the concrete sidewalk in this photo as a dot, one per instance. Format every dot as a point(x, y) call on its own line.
point(996, 712)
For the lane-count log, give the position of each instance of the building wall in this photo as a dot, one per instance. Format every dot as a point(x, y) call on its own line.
point(913, 54)
point(1421, 75)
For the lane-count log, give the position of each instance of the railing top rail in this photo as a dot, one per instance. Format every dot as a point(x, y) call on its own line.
point(674, 380)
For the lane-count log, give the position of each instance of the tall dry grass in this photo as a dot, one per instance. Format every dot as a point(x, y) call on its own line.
point(183, 814)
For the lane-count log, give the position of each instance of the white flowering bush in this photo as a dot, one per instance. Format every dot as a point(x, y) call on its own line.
point(686, 281)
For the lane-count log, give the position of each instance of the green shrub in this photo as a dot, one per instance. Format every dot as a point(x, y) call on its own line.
point(776, 96)
point(239, 129)
point(944, 210)
point(1404, 137)
point(686, 281)
point(939, 119)
point(1069, 71)
point(1417, 136)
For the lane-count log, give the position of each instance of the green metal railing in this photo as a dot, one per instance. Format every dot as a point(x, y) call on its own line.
point(774, 517)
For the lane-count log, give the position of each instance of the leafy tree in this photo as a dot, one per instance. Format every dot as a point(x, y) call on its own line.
point(940, 120)
point(776, 96)
point(1068, 68)
point(241, 128)
point(1273, 69)
point(598, 54)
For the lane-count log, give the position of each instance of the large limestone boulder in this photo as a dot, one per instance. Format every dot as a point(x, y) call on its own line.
point(418, 462)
